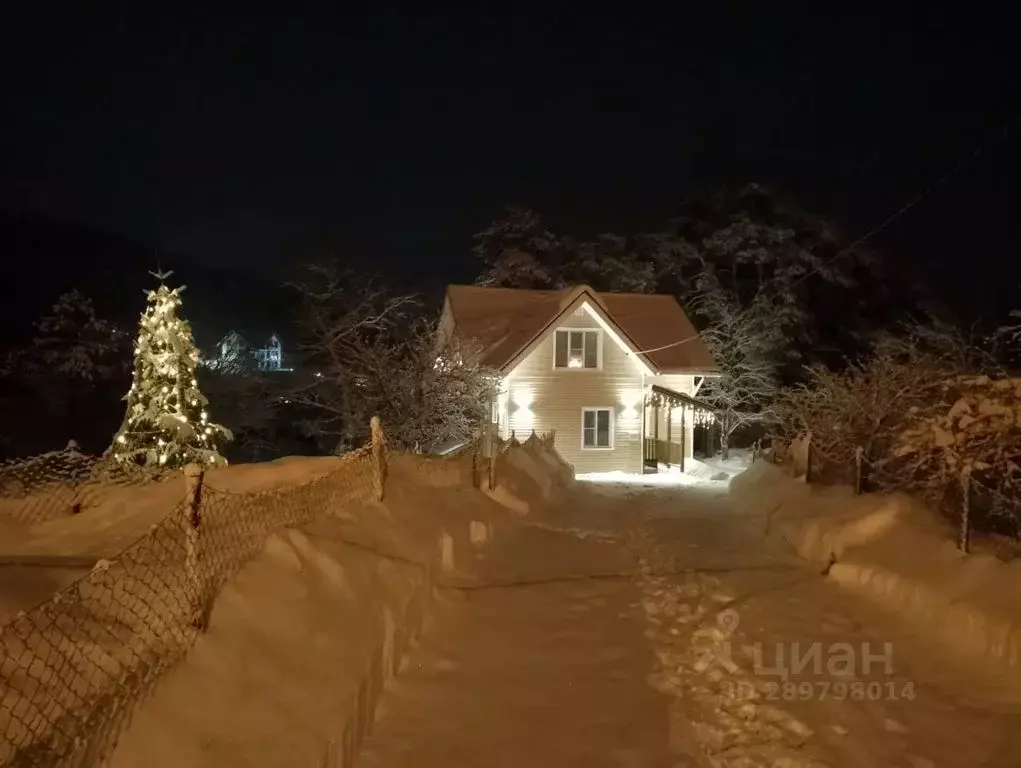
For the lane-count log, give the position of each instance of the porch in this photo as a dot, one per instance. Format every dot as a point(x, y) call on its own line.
point(674, 425)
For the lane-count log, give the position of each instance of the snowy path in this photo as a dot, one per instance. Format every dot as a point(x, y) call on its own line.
point(546, 672)
point(676, 665)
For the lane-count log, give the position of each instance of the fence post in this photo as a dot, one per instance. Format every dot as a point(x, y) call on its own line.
point(193, 478)
point(755, 451)
point(493, 451)
point(859, 453)
point(378, 456)
point(808, 458)
point(964, 540)
point(75, 455)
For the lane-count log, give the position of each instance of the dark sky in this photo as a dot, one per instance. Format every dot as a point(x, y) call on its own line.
point(246, 138)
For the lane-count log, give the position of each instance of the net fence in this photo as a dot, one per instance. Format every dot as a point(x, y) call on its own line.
point(73, 669)
point(62, 483)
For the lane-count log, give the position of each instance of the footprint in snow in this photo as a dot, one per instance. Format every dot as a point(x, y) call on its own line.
point(894, 726)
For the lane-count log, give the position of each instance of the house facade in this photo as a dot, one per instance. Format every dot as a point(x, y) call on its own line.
point(614, 376)
point(233, 353)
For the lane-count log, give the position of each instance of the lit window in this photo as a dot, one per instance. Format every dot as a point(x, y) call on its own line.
point(596, 428)
point(577, 349)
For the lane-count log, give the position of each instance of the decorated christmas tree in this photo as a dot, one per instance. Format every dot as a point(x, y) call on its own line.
point(167, 420)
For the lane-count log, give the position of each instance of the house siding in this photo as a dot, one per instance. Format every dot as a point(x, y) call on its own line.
point(539, 397)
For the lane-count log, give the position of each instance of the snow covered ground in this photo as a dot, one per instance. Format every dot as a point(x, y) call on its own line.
point(753, 657)
point(696, 472)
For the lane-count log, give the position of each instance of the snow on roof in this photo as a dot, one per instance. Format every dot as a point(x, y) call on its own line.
point(506, 320)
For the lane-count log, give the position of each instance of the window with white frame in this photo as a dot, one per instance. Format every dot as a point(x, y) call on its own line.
point(596, 428)
point(576, 348)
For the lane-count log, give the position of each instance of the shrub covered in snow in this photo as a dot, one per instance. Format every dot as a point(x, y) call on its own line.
point(375, 354)
point(970, 437)
point(865, 406)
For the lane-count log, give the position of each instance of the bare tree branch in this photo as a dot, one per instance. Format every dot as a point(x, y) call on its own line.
point(744, 342)
point(369, 353)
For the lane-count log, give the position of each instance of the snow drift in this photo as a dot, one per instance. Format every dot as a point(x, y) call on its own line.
point(890, 549)
point(303, 639)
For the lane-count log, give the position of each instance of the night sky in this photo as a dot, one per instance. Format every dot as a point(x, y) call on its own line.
point(251, 140)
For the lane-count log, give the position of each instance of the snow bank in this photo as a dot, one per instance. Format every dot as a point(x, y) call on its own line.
point(302, 641)
point(527, 477)
point(890, 549)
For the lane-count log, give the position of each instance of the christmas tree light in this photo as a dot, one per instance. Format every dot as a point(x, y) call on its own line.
point(166, 423)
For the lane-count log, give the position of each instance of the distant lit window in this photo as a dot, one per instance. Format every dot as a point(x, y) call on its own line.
point(577, 349)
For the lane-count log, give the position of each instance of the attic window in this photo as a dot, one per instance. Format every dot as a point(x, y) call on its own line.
point(577, 349)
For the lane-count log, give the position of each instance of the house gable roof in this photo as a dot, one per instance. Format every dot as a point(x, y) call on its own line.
point(507, 322)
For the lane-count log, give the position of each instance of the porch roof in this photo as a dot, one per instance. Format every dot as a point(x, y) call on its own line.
point(680, 397)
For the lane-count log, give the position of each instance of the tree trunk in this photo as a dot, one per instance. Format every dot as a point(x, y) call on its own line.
point(348, 429)
point(724, 445)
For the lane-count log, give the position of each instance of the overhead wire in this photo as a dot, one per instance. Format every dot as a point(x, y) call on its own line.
point(994, 140)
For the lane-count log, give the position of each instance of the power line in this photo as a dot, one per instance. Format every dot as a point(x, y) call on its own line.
point(998, 138)
point(1001, 136)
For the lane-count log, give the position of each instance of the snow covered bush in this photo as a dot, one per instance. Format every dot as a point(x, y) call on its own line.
point(866, 405)
point(368, 353)
point(1009, 335)
point(426, 396)
point(971, 436)
point(167, 422)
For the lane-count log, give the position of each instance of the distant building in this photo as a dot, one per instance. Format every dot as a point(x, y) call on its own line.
point(235, 354)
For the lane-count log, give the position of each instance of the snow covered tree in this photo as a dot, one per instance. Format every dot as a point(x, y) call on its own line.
point(370, 353)
point(68, 378)
point(427, 394)
point(829, 295)
point(166, 423)
point(519, 251)
point(746, 343)
point(72, 343)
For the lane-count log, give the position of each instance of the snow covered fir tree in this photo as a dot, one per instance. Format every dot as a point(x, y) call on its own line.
point(166, 423)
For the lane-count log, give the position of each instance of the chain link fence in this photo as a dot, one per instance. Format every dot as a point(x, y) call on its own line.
point(62, 483)
point(73, 669)
point(971, 502)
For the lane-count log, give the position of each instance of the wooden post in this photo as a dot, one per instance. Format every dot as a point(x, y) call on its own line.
point(755, 451)
point(655, 433)
point(378, 456)
point(964, 540)
point(193, 478)
point(669, 436)
point(684, 433)
point(75, 478)
point(485, 449)
point(808, 458)
point(859, 453)
point(493, 451)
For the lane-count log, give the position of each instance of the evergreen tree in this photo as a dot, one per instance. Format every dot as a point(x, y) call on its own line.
point(167, 420)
